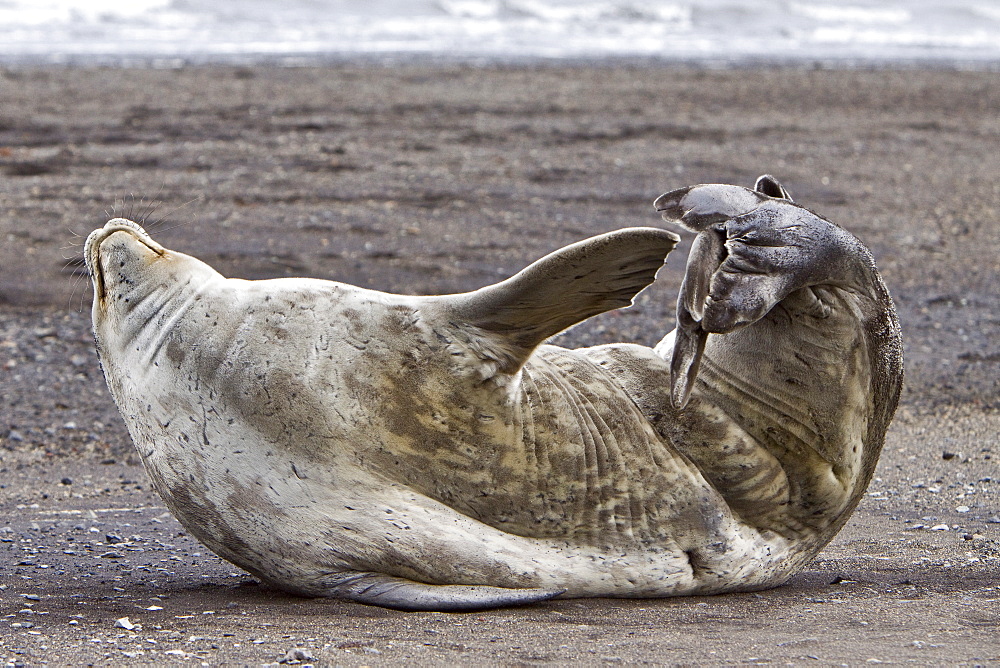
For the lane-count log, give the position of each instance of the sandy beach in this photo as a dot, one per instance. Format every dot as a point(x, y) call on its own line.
point(429, 179)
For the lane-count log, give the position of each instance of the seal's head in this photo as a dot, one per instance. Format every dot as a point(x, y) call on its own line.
point(116, 256)
point(134, 277)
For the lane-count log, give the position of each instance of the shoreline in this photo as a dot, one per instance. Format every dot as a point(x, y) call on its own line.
point(421, 59)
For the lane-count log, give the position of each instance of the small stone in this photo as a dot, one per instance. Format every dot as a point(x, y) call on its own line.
point(113, 539)
point(66, 481)
point(962, 509)
point(15, 435)
point(31, 597)
point(155, 607)
point(297, 655)
point(124, 623)
point(948, 455)
point(940, 527)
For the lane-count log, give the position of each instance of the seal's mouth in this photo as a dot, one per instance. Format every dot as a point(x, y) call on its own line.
point(92, 249)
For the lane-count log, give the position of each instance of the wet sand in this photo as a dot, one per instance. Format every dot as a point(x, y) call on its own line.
point(438, 179)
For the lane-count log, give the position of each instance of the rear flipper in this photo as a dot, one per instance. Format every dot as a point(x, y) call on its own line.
point(754, 248)
point(402, 594)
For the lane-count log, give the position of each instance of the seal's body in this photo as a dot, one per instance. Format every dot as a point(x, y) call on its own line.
point(433, 453)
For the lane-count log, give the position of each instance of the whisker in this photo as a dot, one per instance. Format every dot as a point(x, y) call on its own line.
point(175, 226)
point(118, 208)
point(80, 276)
point(152, 206)
point(171, 212)
point(78, 281)
point(74, 264)
point(150, 210)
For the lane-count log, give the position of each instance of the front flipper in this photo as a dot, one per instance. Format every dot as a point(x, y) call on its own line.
point(707, 252)
point(402, 594)
point(754, 248)
point(504, 323)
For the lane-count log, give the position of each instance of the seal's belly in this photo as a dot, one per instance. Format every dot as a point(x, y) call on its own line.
point(566, 454)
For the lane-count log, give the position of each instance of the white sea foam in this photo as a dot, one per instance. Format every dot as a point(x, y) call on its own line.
point(720, 30)
point(841, 13)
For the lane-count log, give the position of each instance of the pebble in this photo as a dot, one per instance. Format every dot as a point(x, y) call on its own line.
point(297, 655)
point(126, 623)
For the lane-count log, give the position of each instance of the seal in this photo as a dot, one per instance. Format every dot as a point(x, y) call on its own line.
point(433, 453)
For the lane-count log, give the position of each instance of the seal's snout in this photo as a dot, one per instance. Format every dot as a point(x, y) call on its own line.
point(120, 242)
